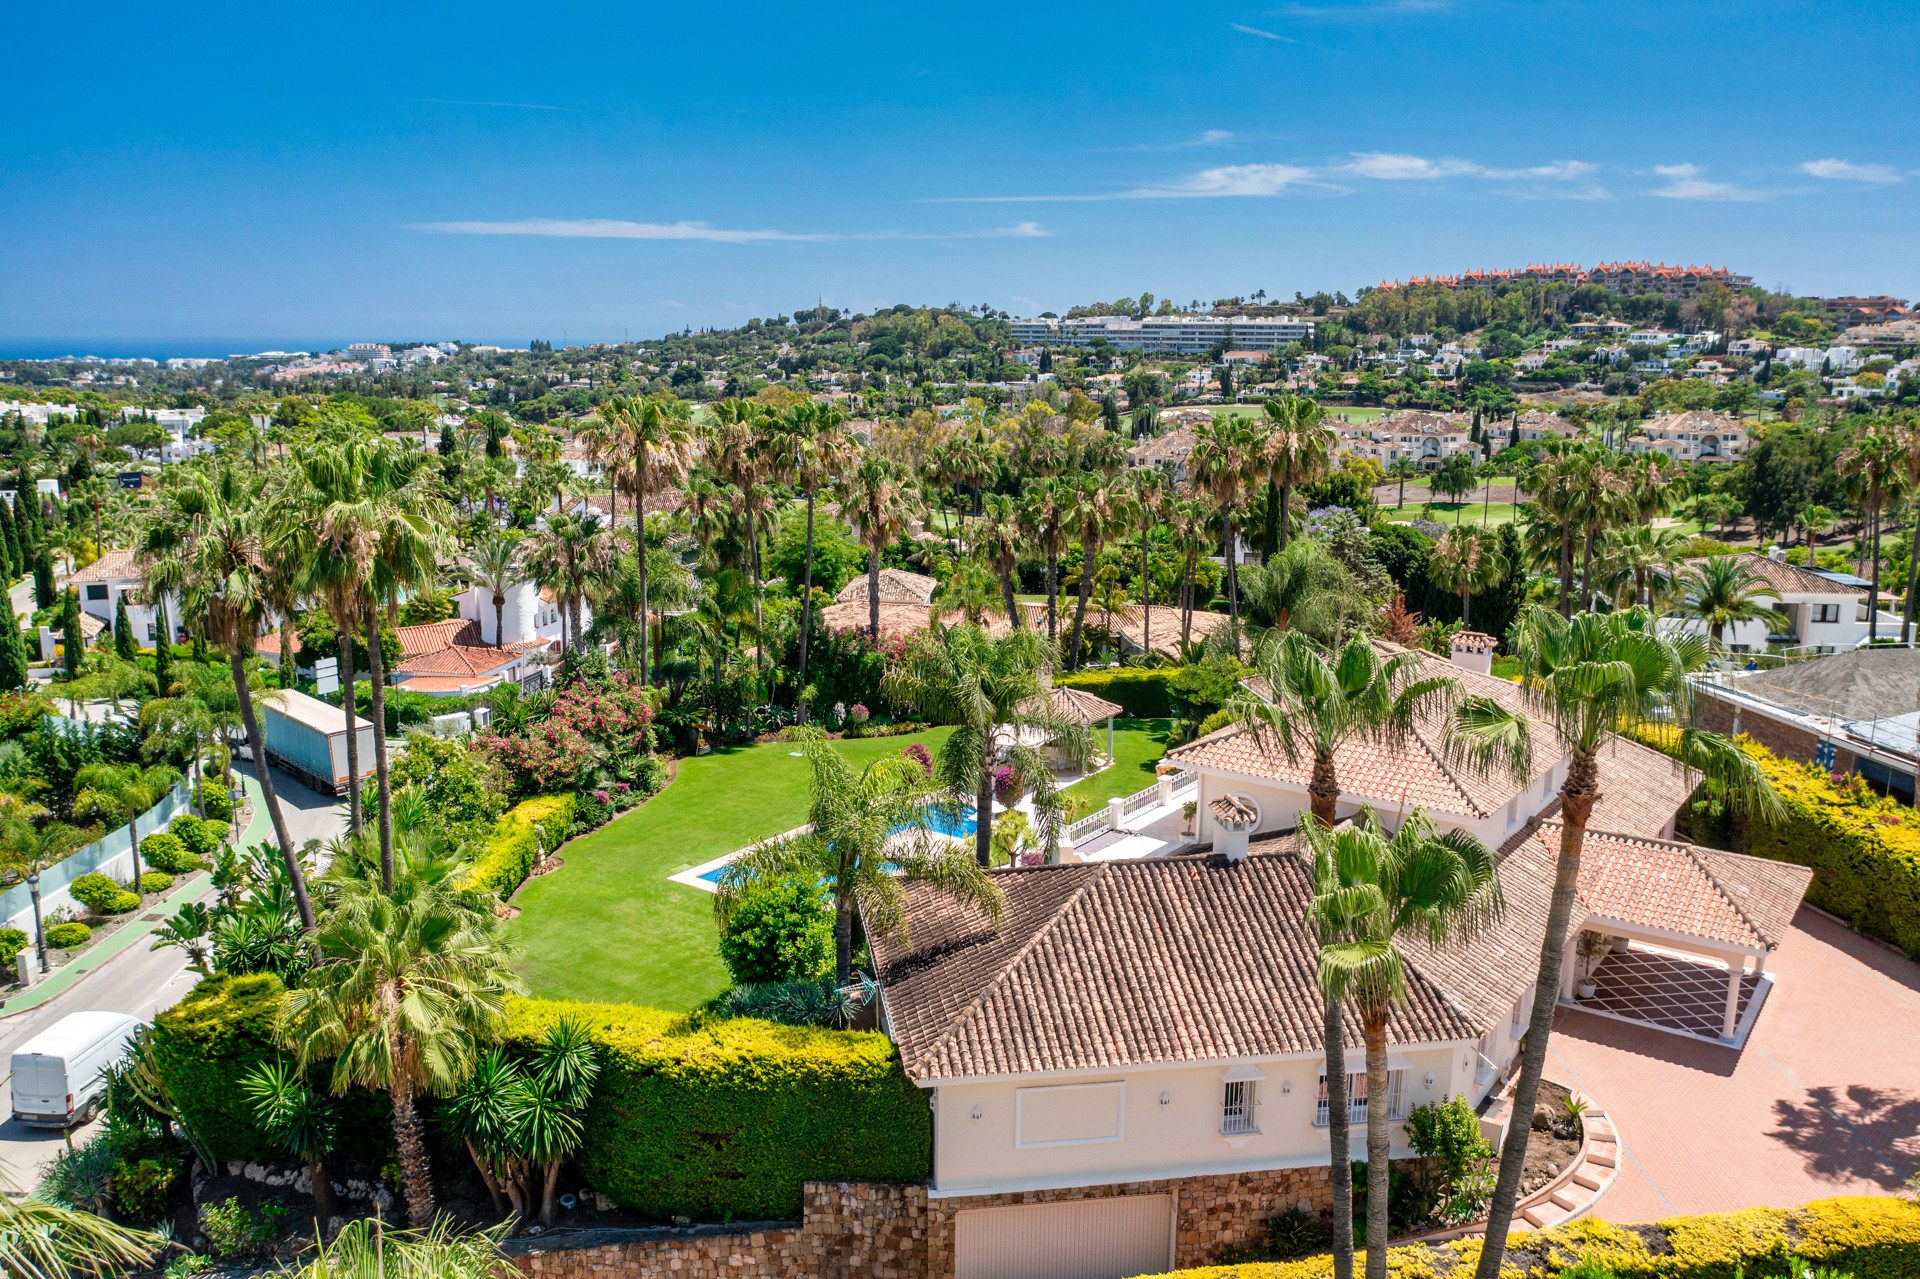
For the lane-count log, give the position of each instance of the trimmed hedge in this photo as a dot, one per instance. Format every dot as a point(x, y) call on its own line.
point(1866, 1238)
point(164, 851)
point(1141, 692)
point(69, 936)
point(724, 1119)
point(512, 848)
point(201, 1048)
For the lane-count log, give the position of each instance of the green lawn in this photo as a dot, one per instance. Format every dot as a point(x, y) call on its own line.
point(609, 927)
point(1138, 745)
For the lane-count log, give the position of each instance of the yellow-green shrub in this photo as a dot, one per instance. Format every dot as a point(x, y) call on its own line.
point(1864, 1237)
point(715, 1119)
point(512, 847)
point(1139, 692)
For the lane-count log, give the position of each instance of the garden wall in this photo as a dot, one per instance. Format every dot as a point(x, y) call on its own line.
point(110, 855)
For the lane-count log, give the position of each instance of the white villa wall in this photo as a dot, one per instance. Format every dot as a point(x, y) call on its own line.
point(525, 615)
point(1181, 1138)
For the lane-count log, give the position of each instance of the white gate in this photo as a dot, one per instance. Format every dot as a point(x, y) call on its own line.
point(1076, 1239)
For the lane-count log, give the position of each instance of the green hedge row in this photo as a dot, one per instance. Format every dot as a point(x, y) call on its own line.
point(512, 849)
point(1141, 692)
point(1863, 1237)
point(201, 1048)
point(725, 1119)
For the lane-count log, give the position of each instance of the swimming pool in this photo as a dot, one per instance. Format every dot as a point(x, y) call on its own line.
point(953, 825)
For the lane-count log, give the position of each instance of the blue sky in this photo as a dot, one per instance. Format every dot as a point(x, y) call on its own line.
point(582, 171)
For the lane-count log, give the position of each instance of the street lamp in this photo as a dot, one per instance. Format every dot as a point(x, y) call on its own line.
point(39, 932)
point(239, 793)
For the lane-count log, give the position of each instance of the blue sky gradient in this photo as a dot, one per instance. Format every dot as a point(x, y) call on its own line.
point(581, 172)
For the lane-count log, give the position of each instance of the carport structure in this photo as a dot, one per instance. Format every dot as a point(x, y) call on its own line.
point(1689, 931)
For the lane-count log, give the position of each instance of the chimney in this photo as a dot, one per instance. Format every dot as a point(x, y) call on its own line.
point(1473, 651)
point(1777, 555)
point(1236, 817)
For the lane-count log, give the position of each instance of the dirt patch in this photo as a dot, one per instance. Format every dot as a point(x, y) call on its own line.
point(1554, 1143)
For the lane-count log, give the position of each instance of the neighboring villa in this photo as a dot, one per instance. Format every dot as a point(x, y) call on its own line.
point(446, 659)
point(1824, 610)
point(111, 578)
point(1427, 438)
point(1694, 436)
point(1138, 1042)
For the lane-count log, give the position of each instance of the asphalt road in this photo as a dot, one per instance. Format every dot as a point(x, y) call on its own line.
point(139, 981)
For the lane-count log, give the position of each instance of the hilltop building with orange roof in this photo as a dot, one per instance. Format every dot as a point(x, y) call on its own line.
point(1629, 278)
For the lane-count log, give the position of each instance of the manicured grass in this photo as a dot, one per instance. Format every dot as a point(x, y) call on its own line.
point(1444, 513)
point(1138, 745)
point(608, 927)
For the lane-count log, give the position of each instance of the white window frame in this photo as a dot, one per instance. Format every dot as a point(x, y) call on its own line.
point(1357, 1105)
point(1239, 1107)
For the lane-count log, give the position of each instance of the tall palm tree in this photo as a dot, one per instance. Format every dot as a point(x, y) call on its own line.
point(809, 448)
point(1297, 450)
point(1468, 561)
point(1370, 890)
point(864, 827)
point(878, 497)
point(207, 543)
point(1722, 591)
point(1588, 678)
point(1094, 515)
point(998, 535)
point(1223, 454)
point(566, 557)
point(994, 694)
point(1316, 707)
point(122, 793)
point(1906, 429)
point(737, 451)
point(410, 985)
point(1044, 506)
point(1876, 463)
point(495, 564)
point(968, 588)
point(1403, 469)
point(1147, 497)
point(1188, 522)
point(1644, 558)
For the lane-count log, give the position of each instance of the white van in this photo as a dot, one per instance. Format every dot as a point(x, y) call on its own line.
point(57, 1079)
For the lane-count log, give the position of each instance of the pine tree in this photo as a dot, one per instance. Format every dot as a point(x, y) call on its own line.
point(14, 657)
point(162, 649)
point(43, 592)
point(124, 645)
point(70, 633)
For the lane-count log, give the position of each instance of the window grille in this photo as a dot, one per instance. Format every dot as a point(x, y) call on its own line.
point(1357, 1098)
point(1237, 1113)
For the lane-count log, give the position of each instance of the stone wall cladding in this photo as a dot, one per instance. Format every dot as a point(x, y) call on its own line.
point(851, 1229)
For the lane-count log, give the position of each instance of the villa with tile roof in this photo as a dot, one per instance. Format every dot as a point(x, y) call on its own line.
point(1151, 1027)
point(1825, 611)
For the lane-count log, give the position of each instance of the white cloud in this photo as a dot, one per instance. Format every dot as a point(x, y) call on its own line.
point(1256, 31)
point(1389, 167)
point(1212, 137)
point(612, 229)
point(1234, 179)
point(1847, 171)
point(1685, 183)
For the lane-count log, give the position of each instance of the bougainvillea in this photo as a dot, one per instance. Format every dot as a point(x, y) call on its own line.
point(920, 755)
point(590, 729)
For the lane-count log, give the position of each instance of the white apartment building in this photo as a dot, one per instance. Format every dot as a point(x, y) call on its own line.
point(1171, 334)
point(1695, 436)
point(39, 414)
point(1427, 438)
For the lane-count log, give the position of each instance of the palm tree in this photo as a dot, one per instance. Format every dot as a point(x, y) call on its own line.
point(41, 1240)
point(877, 497)
point(992, 692)
point(411, 981)
point(1316, 708)
point(1487, 471)
point(1044, 507)
point(1147, 497)
point(567, 557)
point(738, 454)
point(1876, 463)
point(1816, 519)
point(998, 535)
point(1906, 430)
point(1403, 469)
point(1091, 512)
point(1588, 678)
point(123, 793)
point(1188, 522)
point(1369, 890)
point(1644, 557)
point(969, 588)
point(1297, 449)
point(495, 564)
point(822, 452)
point(1223, 453)
point(300, 1121)
point(864, 827)
point(1468, 561)
point(1722, 591)
point(207, 543)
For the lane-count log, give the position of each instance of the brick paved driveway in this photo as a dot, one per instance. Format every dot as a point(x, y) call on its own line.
point(1824, 1100)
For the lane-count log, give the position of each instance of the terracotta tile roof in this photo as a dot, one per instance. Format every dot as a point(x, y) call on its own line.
point(457, 659)
point(268, 645)
point(1231, 811)
point(431, 637)
point(897, 586)
point(1082, 707)
point(1718, 897)
point(1473, 642)
point(1640, 790)
point(112, 566)
point(1417, 774)
point(911, 619)
point(450, 685)
point(1784, 577)
point(1175, 446)
point(1115, 964)
point(1166, 628)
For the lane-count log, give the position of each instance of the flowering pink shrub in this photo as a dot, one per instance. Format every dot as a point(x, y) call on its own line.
point(587, 727)
point(856, 714)
point(1006, 786)
point(919, 755)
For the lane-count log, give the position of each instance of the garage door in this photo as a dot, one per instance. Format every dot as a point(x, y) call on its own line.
point(1078, 1239)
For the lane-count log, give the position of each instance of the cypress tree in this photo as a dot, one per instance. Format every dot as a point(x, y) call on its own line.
point(162, 649)
point(13, 656)
point(43, 592)
point(124, 645)
point(10, 544)
point(200, 646)
point(70, 632)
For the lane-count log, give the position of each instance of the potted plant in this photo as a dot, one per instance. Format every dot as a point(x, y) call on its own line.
point(1187, 810)
point(1592, 946)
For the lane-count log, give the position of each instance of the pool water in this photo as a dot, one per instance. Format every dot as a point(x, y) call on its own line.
point(954, 826)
